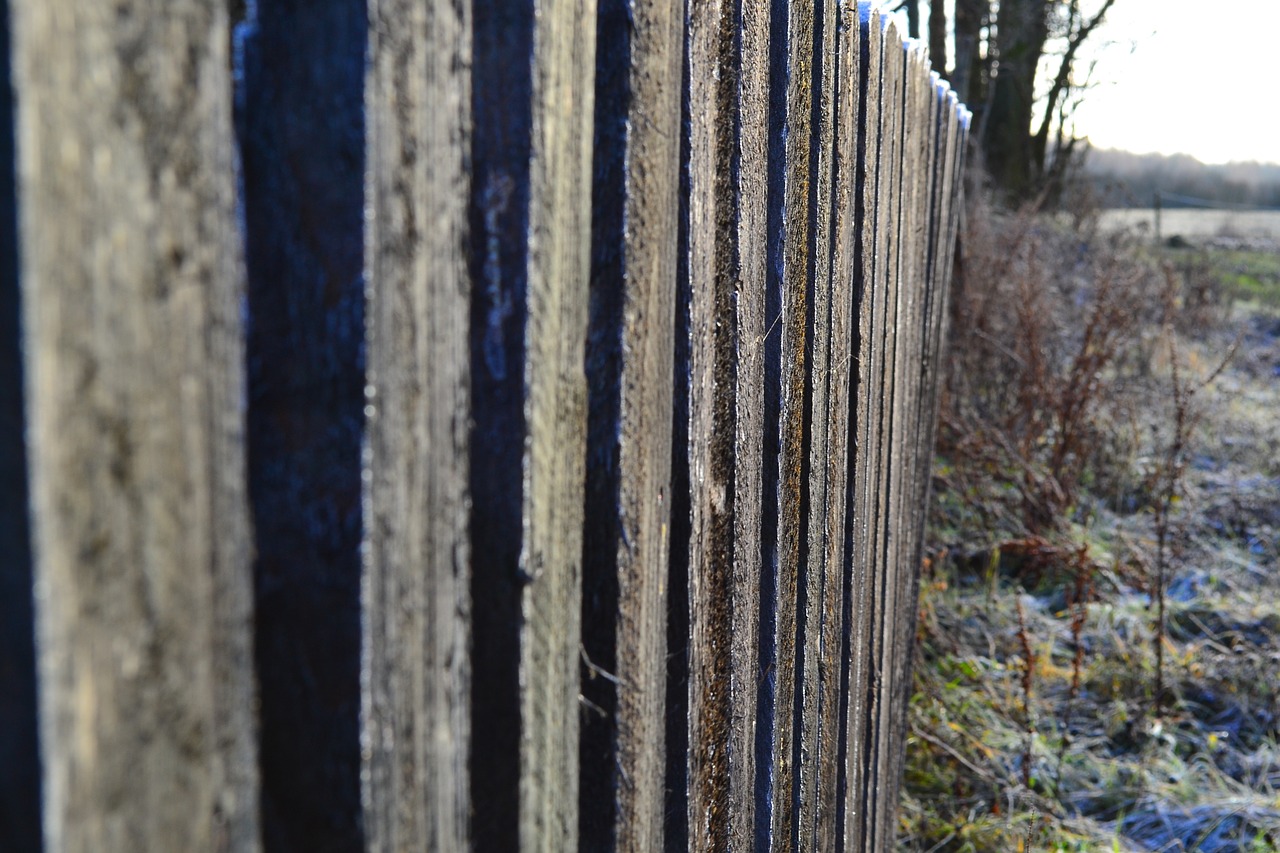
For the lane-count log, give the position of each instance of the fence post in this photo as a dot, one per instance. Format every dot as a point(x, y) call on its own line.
point(532, 101)
point(417, 595)
point(132, 288)
point(629, 362)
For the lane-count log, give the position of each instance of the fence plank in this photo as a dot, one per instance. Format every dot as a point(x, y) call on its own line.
point(19, 754)
point(417, 570)
point(818, 347)
point(629, 369)
point(787, 375)
point(302, 170)
point(838, 460)
point(132, 285)
point(869, 263)
point(559, 264)
point(749, 472)
point(532, 96)
point(888, 279)
point(709, 218)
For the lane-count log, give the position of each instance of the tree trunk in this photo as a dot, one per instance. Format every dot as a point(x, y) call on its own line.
point(1022, 28)
point(966, 75)
point(938, 35)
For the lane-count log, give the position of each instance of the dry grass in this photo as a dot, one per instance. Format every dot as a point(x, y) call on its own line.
point(1068, 505)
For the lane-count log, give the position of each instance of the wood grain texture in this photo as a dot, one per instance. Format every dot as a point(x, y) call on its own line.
point(752, 173)
point(837, 576)
point(710, 264)
point(417, 601)
point(132, 281)
point(817, 418)
point(630, 350)
point(559, 255)
point(869, 263)
point(787, 376)
point(888, 279)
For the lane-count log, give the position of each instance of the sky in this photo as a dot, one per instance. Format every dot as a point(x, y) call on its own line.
point(1191, 77)
point(1180, 76)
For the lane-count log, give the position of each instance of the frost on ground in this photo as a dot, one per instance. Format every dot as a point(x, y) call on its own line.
point(1036, 723)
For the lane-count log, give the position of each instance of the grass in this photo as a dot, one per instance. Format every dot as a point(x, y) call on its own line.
point(1034, 724)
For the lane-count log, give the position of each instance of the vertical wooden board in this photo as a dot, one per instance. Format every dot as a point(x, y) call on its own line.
point(889, 244)
point(629, 369)
point(835, 584)
point(132, 286)
point(559, 235)
point(902, 560)
point(711, 263)
point(302, 179)
point(19, 754)
point(787, 372)
point(416, 583)
point(818, 345)
point(868, 262)
point(752, 280)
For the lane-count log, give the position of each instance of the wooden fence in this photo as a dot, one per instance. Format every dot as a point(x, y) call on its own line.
point(451, 425)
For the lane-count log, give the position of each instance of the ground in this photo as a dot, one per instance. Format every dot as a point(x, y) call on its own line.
point(1035, 723)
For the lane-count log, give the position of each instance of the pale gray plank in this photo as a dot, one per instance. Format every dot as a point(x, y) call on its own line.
point(555, 407)
point(416, 692)
point(132, 286)
point(869, 269)
point(630, 369)
point(752, 281)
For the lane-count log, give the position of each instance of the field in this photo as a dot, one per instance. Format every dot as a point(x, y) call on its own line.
point(1099, 635)
point(1197, 224)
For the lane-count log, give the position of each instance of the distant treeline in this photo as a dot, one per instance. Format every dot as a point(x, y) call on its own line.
point(1122, 179)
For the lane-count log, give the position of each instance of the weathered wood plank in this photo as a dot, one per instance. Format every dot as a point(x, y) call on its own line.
point(132, 281)
point(752, 173)
point(889, 247)
point(787, 374)
point(19, 740)
point(869, 263)
point(417, 597)
point(711, 263)
point(562, 90)
point(302, 180)
point(838, 565)
point(532, 96)
point(817, 414)
point(629, 370)
point(900, 560)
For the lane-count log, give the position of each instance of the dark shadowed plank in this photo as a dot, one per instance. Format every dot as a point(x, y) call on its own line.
point(630, 348)
point(132, 284)
point(299, 117)
point(19, 754)
point(417, 596)
point(532, 97)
